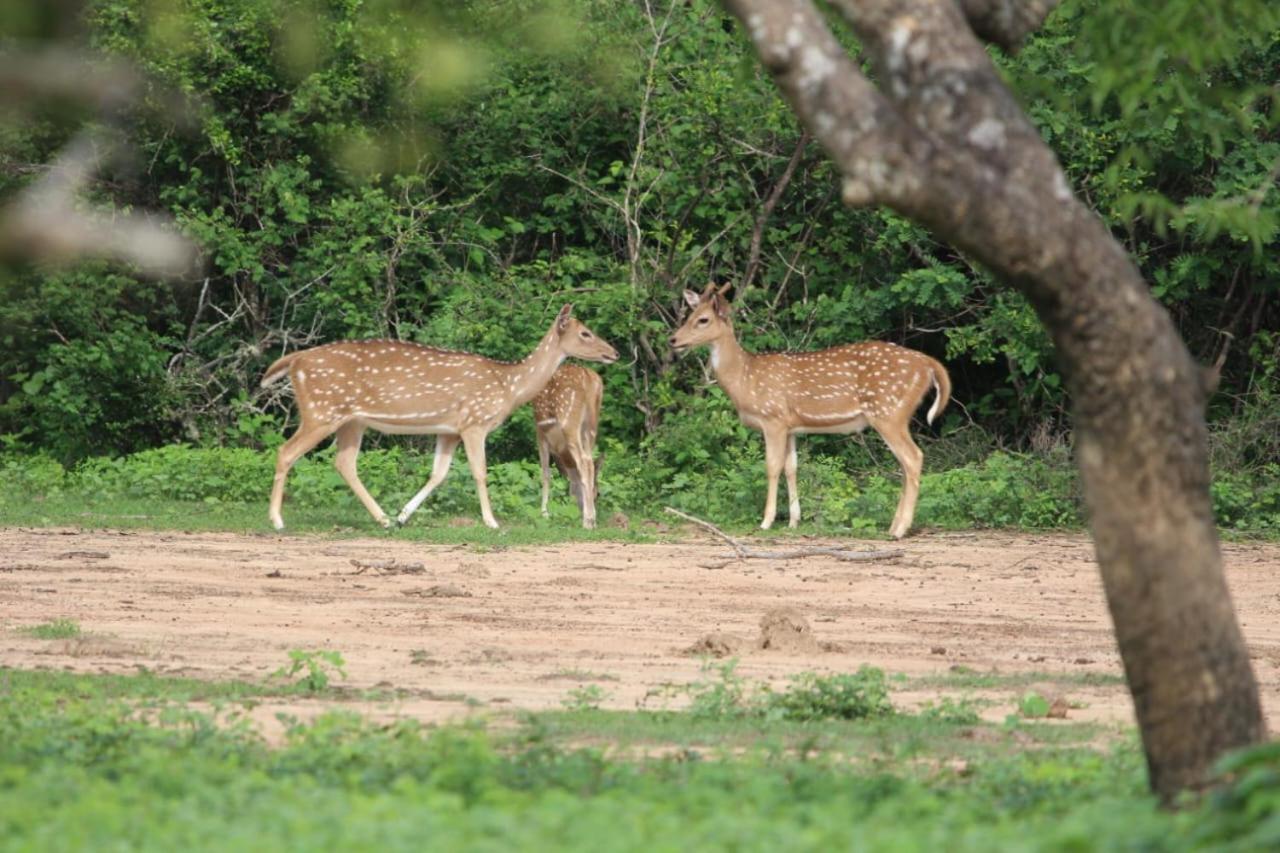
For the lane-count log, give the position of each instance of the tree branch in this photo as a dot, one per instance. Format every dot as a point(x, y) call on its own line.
point(46, 221)
point(856, 124)
point(1006, 22)
point(766, 209)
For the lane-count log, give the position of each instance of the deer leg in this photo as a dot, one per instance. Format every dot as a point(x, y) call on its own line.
point(544, 457)
point(586, 482)
point(306, 437)
point(912, 461)
point(473, 440)
point(775, 451)
point(349, 436)
point(445, 446)
point(793, 492)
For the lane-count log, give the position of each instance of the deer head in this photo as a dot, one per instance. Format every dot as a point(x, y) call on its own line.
point(708, 320)
point(580, 342)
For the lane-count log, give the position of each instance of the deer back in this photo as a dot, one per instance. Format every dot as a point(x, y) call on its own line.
point(874, 380)
point(396, 380)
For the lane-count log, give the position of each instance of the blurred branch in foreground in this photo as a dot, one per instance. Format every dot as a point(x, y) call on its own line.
point(50, 221)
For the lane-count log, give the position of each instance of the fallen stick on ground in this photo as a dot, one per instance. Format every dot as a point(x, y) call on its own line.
point(388, 567)
point(745, 552)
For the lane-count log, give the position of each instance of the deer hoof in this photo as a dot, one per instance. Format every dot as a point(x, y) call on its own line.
point(277, 523)
point(489, 522)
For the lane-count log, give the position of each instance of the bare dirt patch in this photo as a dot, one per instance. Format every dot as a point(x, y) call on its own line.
point(232, 606)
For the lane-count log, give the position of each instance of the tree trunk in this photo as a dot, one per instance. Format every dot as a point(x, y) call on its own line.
point(941, 140)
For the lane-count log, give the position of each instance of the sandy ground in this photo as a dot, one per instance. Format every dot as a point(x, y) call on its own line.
point(522, 627)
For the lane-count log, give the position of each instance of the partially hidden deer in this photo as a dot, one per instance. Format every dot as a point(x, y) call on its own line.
point(406, 388)
point(843, 389)
point(566, 414)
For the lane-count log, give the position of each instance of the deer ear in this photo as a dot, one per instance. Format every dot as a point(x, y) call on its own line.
point(692, 298)
point(722, 306)
point(562, 319)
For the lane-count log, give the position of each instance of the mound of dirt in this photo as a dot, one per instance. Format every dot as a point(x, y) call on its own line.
point(784, 629)
point(718, 644)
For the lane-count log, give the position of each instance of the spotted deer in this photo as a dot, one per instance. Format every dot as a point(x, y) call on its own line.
point(566, 414)
point(838, 390)
point(406, 388)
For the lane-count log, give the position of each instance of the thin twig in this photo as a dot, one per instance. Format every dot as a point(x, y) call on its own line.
point(744, 552)
point(387, 567)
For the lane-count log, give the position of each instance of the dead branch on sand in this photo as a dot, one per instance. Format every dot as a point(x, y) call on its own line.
point(746, 552)
point(388, 567)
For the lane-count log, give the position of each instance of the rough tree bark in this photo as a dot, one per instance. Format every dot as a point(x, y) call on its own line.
point(939, 138)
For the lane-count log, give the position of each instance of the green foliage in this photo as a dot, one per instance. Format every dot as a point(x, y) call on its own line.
point(58, 629)
point(952, 711)
point(1002, 490)
point(1245, 813)
point(723, 694)
point(81, 753)
point(586, 697)
point(317, 667)
point(1033, 706)
point(453, 175)
point(843, 696)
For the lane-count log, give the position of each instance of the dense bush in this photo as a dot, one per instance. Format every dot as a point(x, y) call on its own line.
point(1003, 490)
point(452, 176)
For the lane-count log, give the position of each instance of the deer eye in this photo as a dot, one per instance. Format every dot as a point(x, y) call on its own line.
point(586, 335)
point(704, 321)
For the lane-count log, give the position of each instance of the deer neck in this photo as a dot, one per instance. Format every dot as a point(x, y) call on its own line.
point(531, 375)
point(731, 363)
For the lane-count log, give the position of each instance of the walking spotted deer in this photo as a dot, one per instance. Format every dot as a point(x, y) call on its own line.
point(838, 390)
point(405, 388)
point(566, 414)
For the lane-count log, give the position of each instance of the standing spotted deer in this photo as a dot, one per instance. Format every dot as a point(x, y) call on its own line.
point(405, 388)
point(567, 414)
point(838, 390)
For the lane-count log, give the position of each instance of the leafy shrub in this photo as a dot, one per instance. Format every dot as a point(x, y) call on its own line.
point(317, 668)
point(949, 710)
point(1247, 808)
point(843, 696)
point(723, 694)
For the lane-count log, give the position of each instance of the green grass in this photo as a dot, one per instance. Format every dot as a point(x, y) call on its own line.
point(901, 737)
point(345, 522)
point(58, 629)
point(107, 762)
point(964, 678)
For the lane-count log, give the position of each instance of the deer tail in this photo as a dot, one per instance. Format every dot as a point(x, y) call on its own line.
point(278, 369)
point(941, 387)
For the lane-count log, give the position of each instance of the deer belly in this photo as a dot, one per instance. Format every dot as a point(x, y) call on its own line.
point(839, 423)
point(408, 426)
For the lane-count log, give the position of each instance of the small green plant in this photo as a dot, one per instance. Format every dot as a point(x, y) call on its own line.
point(844, 696)
point(58, 629)
point(962, 712)
point(319, 666)
point(1033, 706)
point(723, 694)
point(585, 698)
